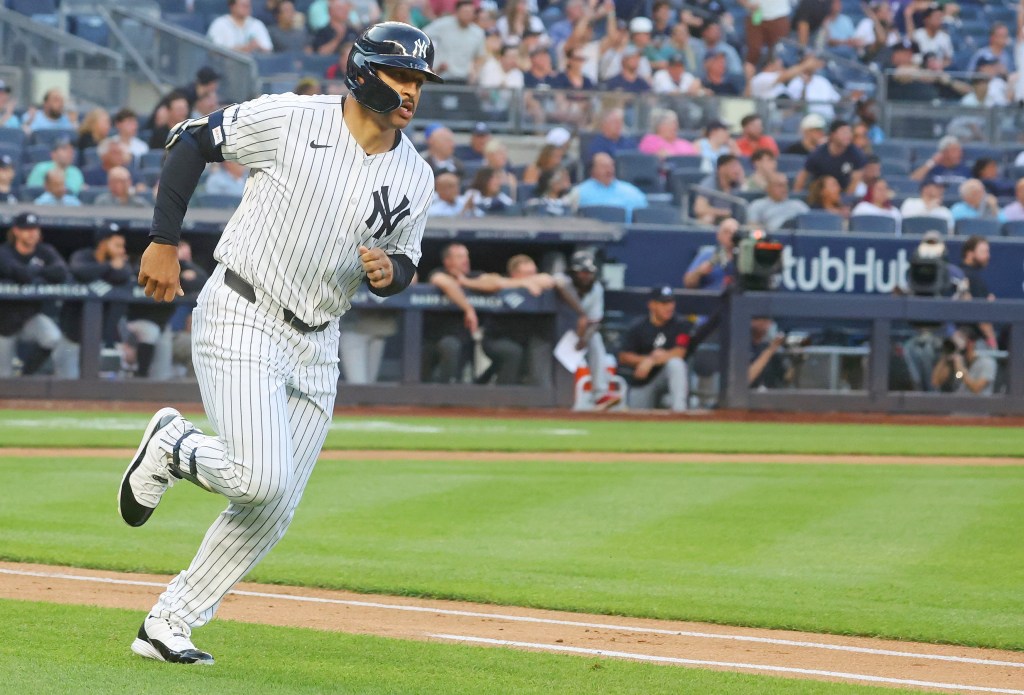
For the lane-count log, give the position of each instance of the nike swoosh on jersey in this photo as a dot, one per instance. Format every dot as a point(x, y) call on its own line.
point(312, 143)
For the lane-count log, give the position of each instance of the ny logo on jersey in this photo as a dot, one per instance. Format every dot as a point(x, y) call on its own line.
point(419, 49)
point(389, 218)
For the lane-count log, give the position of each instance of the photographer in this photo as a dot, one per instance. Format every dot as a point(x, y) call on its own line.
point(713, 269)
point(768, 368)
point(961, 369)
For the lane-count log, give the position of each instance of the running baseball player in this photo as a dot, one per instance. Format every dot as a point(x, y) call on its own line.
point(337, 196)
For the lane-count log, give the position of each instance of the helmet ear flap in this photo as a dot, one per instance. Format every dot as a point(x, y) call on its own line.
point(372, 92)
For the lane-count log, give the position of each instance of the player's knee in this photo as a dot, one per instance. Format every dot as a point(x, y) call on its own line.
point(263, 491)
point(676, 366)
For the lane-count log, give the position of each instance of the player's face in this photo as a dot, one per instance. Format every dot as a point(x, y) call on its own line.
point(408, 84)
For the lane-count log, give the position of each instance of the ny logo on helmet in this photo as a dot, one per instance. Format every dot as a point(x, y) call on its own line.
point(419, 49)
point(389, 218)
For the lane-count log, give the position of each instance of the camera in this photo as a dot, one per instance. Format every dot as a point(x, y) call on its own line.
point(758, 259)
point(928, 275)
point(949, 347)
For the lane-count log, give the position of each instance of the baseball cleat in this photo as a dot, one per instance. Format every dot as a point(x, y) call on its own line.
point(148, 476)
point(168, 640)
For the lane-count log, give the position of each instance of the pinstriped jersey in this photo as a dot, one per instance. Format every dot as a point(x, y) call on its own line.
point(313, 196)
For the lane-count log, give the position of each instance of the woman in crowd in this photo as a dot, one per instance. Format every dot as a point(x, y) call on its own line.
point(549, 157)
point(665, 141)
point(496, 157)
point(878, 201)
point(485, 192)
point(516, 22)
point(550, 195)
point(95, 128)
point(825, 194)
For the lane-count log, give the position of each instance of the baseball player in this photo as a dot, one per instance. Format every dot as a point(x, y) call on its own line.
point(337, 196)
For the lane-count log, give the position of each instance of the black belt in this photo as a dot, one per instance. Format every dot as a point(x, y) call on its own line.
point(247, 292)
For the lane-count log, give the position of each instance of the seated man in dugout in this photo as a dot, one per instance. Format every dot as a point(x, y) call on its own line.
point(654, 349)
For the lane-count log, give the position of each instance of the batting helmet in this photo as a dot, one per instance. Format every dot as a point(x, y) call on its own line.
point(384, 45)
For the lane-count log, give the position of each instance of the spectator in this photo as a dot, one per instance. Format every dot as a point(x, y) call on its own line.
point(665, 141)
point(765, 165)
point(930, 38)
point(503, 72)
point(8, 119)
point(812, 135)
point(717, 141)
point(602, 188)
point(965, 370)
point(815, 90)
point(197, 92)
point(94, 129)
point(997, 49)
point(590, 294)
point(239, 31)
point(227, 179)
point(559, 32)
point(996, 92)
point(871, 172)
point(862, 138)
point(878, 201)
point(706, 11)
point(655, 349)
point(728, 179)
point(946, 166)
point(173, 109)
point(713, 268)
point(8, 191)
point(440, 154)
point(840, 33)
point(838, 158)
point(549, 158)
point(767, 23)
point(447, 201)
point(496, 157)
point(929, 204)
point(447, 337)
point(712, 42)
point(975, 255)
point(52, 116)
point(867, 113)
point(114, 155)
point(126, 123)
point(339, 69)
point(363, 335)
point(604, 57)
point(975, 202)
point(825, 194)
point(628, 79)
point(675, 79)
point(308, 86)
point(676, 45)
point(339, 30)
point(365, 13)
point(986, 170)
point(288, 34)
point(119, 191)
point(876, 31)
point(775, 210)
point(551, 196)
point(768, 369)
point(25, 260)
point(473, 151)
point(752, 137)
point(611, 138)
point(55, 190)
point(907, 81)
point(540, 73)
point(485, 193)
point(62, 154)
point(716, 79)
point(1014, 212)
point(458, 44)
point(770, 81)
point(516, 21)
point(809, 16)
point(573, 77)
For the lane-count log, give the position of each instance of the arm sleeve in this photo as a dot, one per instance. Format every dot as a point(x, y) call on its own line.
point(55, 270)
point(404, 269)
point(10, 268)
point(85, 267)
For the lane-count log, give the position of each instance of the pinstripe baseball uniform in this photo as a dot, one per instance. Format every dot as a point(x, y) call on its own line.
point(289, 253)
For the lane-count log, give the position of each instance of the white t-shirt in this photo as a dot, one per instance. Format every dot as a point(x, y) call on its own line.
point(224, 32)
point(819, 92)
point(940, 44)
point(915, 207)
point(773, 9)
point(664, 84)
point(456, 48)
point(493, 76)
point(766, 85)
point(1018, 59)
point(866, 208)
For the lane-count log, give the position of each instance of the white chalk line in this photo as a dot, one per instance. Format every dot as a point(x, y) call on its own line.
point(544, 621)
point(724, 664)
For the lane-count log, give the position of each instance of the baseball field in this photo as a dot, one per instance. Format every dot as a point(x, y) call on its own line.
point(541, 555)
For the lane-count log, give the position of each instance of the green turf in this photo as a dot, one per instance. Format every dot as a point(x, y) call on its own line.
point(47, 428)
point(71, 649)
point(929, 553)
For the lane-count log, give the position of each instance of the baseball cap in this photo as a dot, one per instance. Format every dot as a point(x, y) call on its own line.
point(430, 129)
point(206, 75)
point(813, 121)
point(481, 128)
point(713, 54)
point(932, 181)
point(6, 161)
point(985, 61)
point(558, 136)
point(4, 87)
point(677, 59)
point(640, 25)
point(583, 261)
point(661, 294)
point(25, 220)
point(106, 231)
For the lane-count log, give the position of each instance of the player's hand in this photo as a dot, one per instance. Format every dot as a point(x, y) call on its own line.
point(377, 267)
point(643, 369)
point(160, 272)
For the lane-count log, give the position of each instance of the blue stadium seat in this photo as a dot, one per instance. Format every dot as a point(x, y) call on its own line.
point(12, 136)
point(33, 7)
point(640, 169)
point(317, 65)
point(903, 186)
point(186, 20)
point(29, 193)
point(12, 151)
point(605, 213)
point(154, 159)
point(979, 226)
point(874, 224)
point(525, 191)
point(656, 214)
point(90, 158)
point(892, 151)
point(683, 161)
point(216, 200)
point(791, 163)
point(47, 137)
point(35, 153)
point(920, 225)
point(95, 176)
point(88, 195)
point(1015, 228)
point(680, 181)
point(895, 167)
point(818, 221)
point(90, 27)
point(275, 63)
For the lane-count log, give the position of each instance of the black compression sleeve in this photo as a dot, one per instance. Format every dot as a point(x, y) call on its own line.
point(403, 269)
point(178, 180)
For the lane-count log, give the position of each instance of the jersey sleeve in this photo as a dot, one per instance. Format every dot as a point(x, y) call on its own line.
point(253, 131)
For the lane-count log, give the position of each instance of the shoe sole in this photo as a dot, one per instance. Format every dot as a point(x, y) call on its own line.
point(133, 513)
point(148, 651)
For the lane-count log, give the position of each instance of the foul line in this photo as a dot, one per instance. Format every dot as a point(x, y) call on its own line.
point(545, 621)
point(724, 664)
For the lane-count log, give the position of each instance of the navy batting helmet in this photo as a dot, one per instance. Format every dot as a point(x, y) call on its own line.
point(384, 45)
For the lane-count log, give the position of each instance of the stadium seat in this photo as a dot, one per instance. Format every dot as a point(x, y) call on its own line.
point(873, 224)
point(656, 214)
point(977, 225)
point(29, 193)
point(88, 195)
point(47, 137)
point(95, 176)
point(12, 136)
point(317, 65)
point(791, 164)
point(639, 169)
point(819, 222)
point(920, 225)
point(90, 27)
point(216, 200)
point(35, 153)
point(187, 21)
point(154, 159)
point(1015, 228)
point(90, 158)
point(972, 153)
point(892, 151)
point(12, 151)
point(525, 191)
point(276, 63)
point(605, 213)
point(683, 161)
point(895, 167)
point(680, 181)
point(903, 186)
point(33, 7)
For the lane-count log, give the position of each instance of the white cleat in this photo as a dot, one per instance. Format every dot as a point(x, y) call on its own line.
point(168, 640)
point(148, 475)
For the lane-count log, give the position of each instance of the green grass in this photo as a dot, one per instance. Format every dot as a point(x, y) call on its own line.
point(71, 649)
point(928, 553)
point(47, 428)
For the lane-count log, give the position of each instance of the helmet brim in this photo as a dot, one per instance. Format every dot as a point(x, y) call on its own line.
point(405, 62)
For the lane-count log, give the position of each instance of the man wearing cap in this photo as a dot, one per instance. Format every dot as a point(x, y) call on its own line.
point(52, 115)
point(628, 79)
point(812, 135)
point(602, 188)
point(239, 31)
point(26, 260)
point(929, 204)
point(655, 349)
point(965, 370)
point(119, 191)
point(473, 151)
point(541, 72)
point(458, 43)
point(8, 193)
point(640, 30)
point(838, 157)
point(583, 277)
point(206, 82)
point(8, 119)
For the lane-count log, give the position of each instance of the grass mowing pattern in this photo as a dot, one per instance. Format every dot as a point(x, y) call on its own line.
point(72, 649)
point(929, 553)
point(45, 428)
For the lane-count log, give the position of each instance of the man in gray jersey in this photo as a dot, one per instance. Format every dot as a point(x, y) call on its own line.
point(337, 196)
